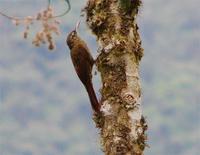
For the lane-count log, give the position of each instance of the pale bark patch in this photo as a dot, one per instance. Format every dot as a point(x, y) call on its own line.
point(106, 108)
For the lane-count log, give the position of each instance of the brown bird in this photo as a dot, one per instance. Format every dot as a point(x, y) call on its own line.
point(83, 63)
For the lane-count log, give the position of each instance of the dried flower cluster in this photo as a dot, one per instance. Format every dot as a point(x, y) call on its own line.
point(49, 26)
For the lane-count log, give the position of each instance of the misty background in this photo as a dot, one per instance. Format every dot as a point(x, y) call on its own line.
point(45, 110)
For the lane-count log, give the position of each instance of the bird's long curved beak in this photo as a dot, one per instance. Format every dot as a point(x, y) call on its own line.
point(77, 25)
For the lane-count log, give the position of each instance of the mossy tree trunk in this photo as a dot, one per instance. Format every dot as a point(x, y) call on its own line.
point(122, 125)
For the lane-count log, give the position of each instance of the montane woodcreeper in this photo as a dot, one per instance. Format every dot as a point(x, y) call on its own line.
point(83, 63)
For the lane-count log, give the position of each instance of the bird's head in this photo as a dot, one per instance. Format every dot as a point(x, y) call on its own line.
point(72, 37)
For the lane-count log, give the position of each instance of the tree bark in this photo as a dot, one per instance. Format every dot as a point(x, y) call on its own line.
point(121, 123)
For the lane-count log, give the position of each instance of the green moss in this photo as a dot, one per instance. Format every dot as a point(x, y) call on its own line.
point(130, 5)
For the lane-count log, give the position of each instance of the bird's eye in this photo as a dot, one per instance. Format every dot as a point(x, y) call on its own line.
point(73, 34)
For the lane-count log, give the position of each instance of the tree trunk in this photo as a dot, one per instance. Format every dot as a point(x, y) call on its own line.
point(121, 123)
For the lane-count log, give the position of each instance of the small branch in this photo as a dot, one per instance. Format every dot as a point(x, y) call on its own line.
point(47, 18)
point(48, 6)
point(64, 13)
